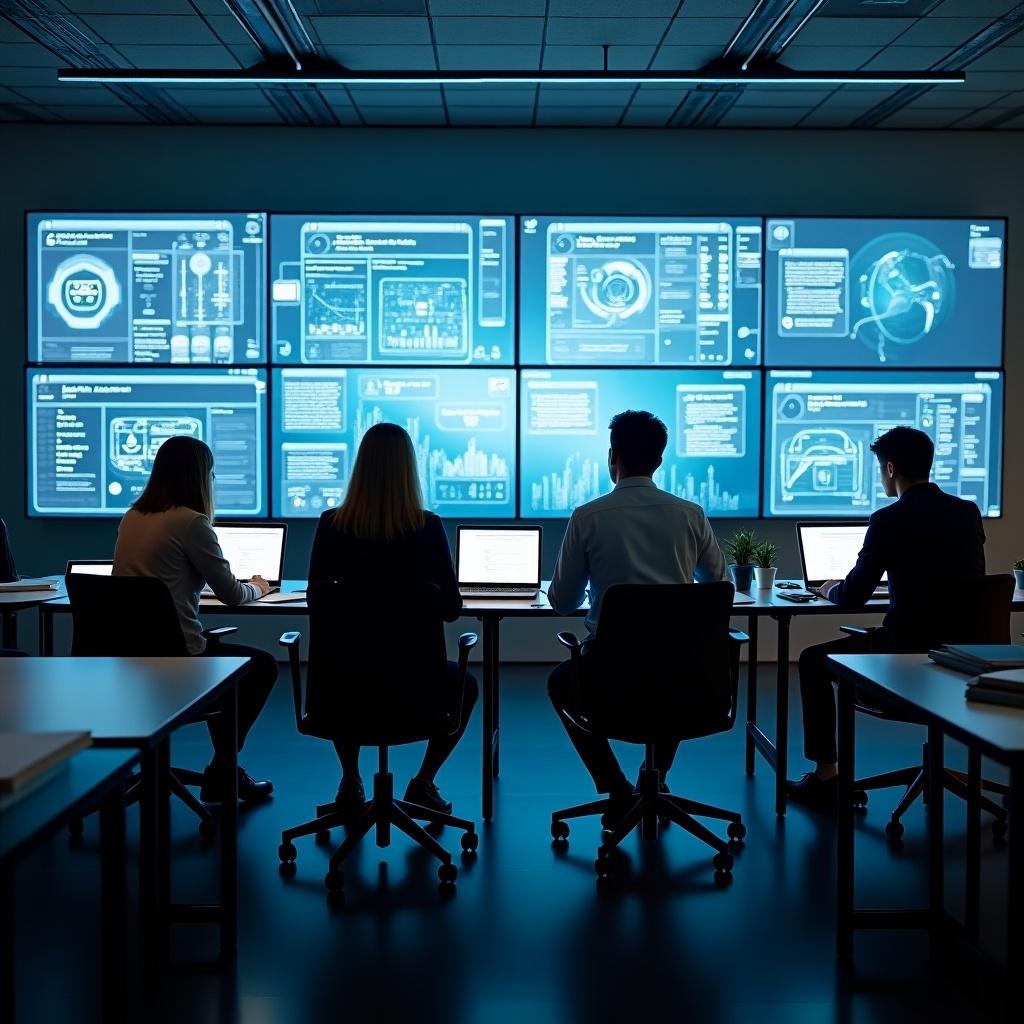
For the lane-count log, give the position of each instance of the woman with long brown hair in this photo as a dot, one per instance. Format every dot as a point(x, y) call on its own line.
point(381, 534)
point(168, 533)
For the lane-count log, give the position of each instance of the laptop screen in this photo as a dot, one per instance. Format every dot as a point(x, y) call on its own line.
point(498, 557)
point(254, 550)
point(90, 568)
point(829, 550)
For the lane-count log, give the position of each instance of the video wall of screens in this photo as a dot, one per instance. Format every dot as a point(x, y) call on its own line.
point(177, 288)
point(462, 424)
point(393, 290)
point(95, 433)
point(774, 348)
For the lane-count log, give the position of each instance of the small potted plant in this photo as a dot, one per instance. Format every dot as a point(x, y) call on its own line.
point(740, 550)
point(763, 557)
point(1018, 573)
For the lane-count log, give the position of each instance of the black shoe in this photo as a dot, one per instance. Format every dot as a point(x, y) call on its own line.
point(249, 790)
point(351, 797)
point(426, 794)
point(814, 793)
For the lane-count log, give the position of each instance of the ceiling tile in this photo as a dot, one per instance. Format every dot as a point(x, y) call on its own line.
point(605, 30)
point(178, 56)
point(405, 115)
point(379, 31)
point(488, 31)
point(496, 96)
point(611, 8)
point(685, 58)
point(1003, 58)
point(690, 31)
point(121, 114)
point(859, 96)
point(27, 55)
point(70, 94)
point(821, 31)
point(414, 7)
point(384, 58)
point(829, 117)
point(395, 96)
point(470, 58)
point(228, 30)
point(762, 117)
point(988, 81)
point(525, 8)
point(15, 76)
point(649, 116)
point(717, 8)
point(781, 97)
point(239, 115)
point(827, 58)
point(569, 116)
point(575, 58)
point(220, 96)
point(518, 115)
point(953, 99)
point(906, 58)
point(908, 117)
point(973, 8)
point(659, 95)
point(182, 7)
point(142, 29)
point(933, 31)
point(584, 96)
point(12, 34)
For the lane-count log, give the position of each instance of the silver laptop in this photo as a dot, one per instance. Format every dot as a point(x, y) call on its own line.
point(498, 561)
point(253, 550)
point(828, 551)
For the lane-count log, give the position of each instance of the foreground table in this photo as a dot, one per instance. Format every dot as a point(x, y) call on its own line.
point(911, 685)
point(138, 703)
point(90, 780)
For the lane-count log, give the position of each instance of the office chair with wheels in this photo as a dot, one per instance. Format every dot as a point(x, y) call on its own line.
point(980, 615)
point(663, 667)
point(376, 676)
point(134, 617)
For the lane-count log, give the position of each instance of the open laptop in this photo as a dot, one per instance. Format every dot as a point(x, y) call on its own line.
point(253, 549)
point(828, 551)
point(498, 561)
point(90, 568)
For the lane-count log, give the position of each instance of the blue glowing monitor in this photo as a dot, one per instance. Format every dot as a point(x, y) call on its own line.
point(462, 423)
point(398, 291)
point(820, 425)
point(640, 291)
point(182, 288)
point(93, 435)
point(713, 420)
point(881, 293)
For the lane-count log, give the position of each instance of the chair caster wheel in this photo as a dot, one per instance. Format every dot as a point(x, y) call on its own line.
point(447, 873)
point(604, 865)
point(860, 799)
point(208, 831)
point(999, 828)
point(470, 841)
point(286, 869)
point(287, 853)
point(609, 821)
point(722, 862)
point(894, 829)
point(723, 878)
point(737, 831)
point(559, 831)
point(335, 881)
point(76, 828)
point(323, 837)
point(336, 898)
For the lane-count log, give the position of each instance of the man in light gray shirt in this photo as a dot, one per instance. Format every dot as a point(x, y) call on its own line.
point(636, 534)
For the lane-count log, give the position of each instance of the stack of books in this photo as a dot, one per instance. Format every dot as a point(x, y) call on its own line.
point(1006, 687)
point(30, 759)
point(976, 659)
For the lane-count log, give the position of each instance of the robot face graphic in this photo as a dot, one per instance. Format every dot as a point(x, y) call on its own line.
point(84, 291)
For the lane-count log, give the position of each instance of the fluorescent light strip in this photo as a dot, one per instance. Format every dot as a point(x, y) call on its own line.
point(132, 76)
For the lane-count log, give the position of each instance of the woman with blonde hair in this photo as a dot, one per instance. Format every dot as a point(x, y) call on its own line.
point(168, 533)
point(381, 534)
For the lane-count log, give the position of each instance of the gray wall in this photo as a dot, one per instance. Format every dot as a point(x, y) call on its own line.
point(503, 171)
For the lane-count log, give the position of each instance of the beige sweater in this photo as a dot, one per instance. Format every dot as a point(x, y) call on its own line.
point(179, 547)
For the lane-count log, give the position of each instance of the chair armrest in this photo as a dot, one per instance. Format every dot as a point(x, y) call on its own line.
point(737, 636)
point(467, 641)
point(292, 642)
point(219, 632)
point(569, 640)
point(858, 630)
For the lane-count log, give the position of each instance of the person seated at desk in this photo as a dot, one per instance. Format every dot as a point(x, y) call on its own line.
point(382, 535)
point(8, 571)
point(905, 540)
point(636, 534)
point(168, 533)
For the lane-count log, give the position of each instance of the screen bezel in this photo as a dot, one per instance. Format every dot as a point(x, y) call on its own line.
point(470, 584)
point(260, 524)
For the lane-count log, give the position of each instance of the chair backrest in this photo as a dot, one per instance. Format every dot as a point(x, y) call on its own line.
point(377, 663)
point(975, 610)
point(123, 616)
point(662, 664)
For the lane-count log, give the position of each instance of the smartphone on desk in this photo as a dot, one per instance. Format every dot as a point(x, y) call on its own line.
point(799, 596)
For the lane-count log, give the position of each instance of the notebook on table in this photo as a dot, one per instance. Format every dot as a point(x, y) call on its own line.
point(828, 551)
point(498, 561)
point(1006, 688)
point(25, 757)
point(976, 659)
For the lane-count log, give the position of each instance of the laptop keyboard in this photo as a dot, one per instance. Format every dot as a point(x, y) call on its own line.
point(501, 590)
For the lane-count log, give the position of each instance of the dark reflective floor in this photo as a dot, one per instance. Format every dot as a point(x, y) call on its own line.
point(527, 937)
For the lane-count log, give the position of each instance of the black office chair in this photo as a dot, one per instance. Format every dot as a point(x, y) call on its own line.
point(664, 666)
point(370, 680)
point(979, 614)
point(134, 617)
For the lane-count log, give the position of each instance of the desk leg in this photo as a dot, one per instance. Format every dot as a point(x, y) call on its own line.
point(1015, 893)
point(936, 830)
point(7, 994)
point(9, 634)
point(45, 632)
point(972, 896)
point(496, 696)
point(149, 856)
point(163, 753)
point(112, 867)
point(782, 715)
point(751, 689)
point(487, 737)
point(844, 835)
point(229, 836)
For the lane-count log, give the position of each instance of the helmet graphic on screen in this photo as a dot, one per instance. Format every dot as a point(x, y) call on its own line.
point(616, 290)
point(84, 291)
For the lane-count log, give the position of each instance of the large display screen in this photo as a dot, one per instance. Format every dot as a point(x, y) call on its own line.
point(878, 293)
point(820, 425)
point(462, 423)
point(640, 291)
point(146, 288)
point(93, 435)
point(713, 421)
point(393, 290)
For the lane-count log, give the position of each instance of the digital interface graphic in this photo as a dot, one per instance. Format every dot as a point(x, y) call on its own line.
point(880, 293)
point(93, 435)
point(147, 288)
point(393, 290)
point(462, 424)
point(821, 425)
point(713, 421)
point(640, 291)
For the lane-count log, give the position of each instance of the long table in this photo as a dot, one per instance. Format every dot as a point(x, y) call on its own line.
point(911, 684)
point(755, 605)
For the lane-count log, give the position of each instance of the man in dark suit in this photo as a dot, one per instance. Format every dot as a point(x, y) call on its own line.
point(923, 540)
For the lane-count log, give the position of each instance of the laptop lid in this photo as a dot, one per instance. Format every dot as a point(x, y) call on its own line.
point(90, 567)
point(254, 550)
point(498, 556)
point(828, 550)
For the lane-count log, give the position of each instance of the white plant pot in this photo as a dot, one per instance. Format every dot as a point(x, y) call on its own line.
point(764, 579)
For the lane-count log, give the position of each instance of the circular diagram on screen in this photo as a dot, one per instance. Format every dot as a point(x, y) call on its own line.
point(616, 290)
point(903, 292)
point(84, 291)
